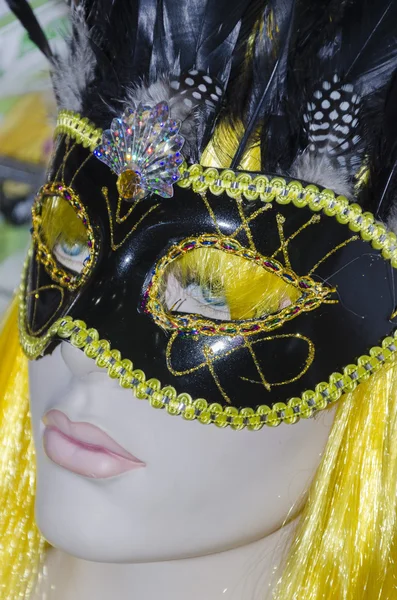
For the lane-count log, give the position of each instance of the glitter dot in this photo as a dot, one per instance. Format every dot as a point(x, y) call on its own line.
point(317, 94)
point(325, 104)
point(319, 115)
point(218, 90)
point(333, 115)
point(347, 118)
point(196, 95)
point(188, 102)
point(335, 95)
point(207, 78)
point(326, 85)
point(189, 81)
point(344, 106)
point(175, 85)
point(214, 97)
point(202, 87)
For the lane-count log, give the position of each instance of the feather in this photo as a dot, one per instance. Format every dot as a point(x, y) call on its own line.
point(353, 71)
point(381, 192)
point(269, 68)
point(25, 14)
point(74, 72)
point(186, 95)
point(137, 51)
point(294, 31)
point(332, 153)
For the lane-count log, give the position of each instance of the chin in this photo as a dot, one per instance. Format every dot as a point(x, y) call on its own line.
point(86, 519)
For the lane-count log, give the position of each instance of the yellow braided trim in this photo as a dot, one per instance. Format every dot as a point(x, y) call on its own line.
point(252, 186)
point(79, 129)
point(311, 401)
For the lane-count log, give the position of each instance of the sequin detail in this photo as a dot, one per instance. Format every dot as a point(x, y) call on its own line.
point(143, 149)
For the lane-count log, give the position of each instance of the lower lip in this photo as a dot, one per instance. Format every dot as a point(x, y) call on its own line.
point(85, 459)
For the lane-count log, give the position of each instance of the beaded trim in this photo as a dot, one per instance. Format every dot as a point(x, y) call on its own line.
point(78, 128)
point(44, 255)
point(313, 293)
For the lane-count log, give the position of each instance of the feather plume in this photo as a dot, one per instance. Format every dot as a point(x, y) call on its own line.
point(187, 95)
point(293, 33)
point(151, 50)
point(75, 71)
point(348, 77)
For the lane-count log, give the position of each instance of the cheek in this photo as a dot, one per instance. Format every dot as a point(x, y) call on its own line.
point(48, 378)
point(203, 490)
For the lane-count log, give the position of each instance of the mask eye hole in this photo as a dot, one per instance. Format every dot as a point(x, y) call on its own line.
point(215, 286)
point(64, 238)
point(223, 286)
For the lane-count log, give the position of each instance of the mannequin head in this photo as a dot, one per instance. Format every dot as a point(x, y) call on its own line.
point(157, 275)
point(203, 490)
point(347, 526)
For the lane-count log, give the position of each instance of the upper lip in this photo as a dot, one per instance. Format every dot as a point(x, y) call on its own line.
point(87, 434)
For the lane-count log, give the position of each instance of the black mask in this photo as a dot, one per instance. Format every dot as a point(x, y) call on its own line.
point(132, 270)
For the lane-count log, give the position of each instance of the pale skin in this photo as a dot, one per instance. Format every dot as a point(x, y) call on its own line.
point(203, 519)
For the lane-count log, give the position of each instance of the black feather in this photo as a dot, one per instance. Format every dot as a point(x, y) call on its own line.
point(300, 29)
point(26, 16)
point(139, 43)
point(359, 62)
point(380, 194)
point(269, 66)
point(345, 50)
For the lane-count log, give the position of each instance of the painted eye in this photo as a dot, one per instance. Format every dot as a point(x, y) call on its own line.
point(63, 235)
point(195, 297)
point(73, 256)
point(218, 285)
point(214, 286)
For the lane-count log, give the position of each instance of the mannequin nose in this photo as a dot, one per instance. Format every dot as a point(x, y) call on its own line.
point(77, 362)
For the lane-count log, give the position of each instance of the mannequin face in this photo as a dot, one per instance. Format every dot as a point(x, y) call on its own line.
point(202, 489)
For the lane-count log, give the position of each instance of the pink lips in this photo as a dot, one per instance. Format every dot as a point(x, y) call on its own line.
point(84, 448)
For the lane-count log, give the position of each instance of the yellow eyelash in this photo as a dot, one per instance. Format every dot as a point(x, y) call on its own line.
point(249, 290)
point(59, 221)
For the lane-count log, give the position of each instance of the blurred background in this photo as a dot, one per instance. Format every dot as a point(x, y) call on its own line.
point(27, 119)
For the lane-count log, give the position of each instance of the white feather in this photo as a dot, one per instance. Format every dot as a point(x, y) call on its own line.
point(392, 220)
point(182, 107)
point(321, 171)
point(74, 71)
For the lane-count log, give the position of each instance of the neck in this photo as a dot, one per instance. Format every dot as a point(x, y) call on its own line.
point(245, 573)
